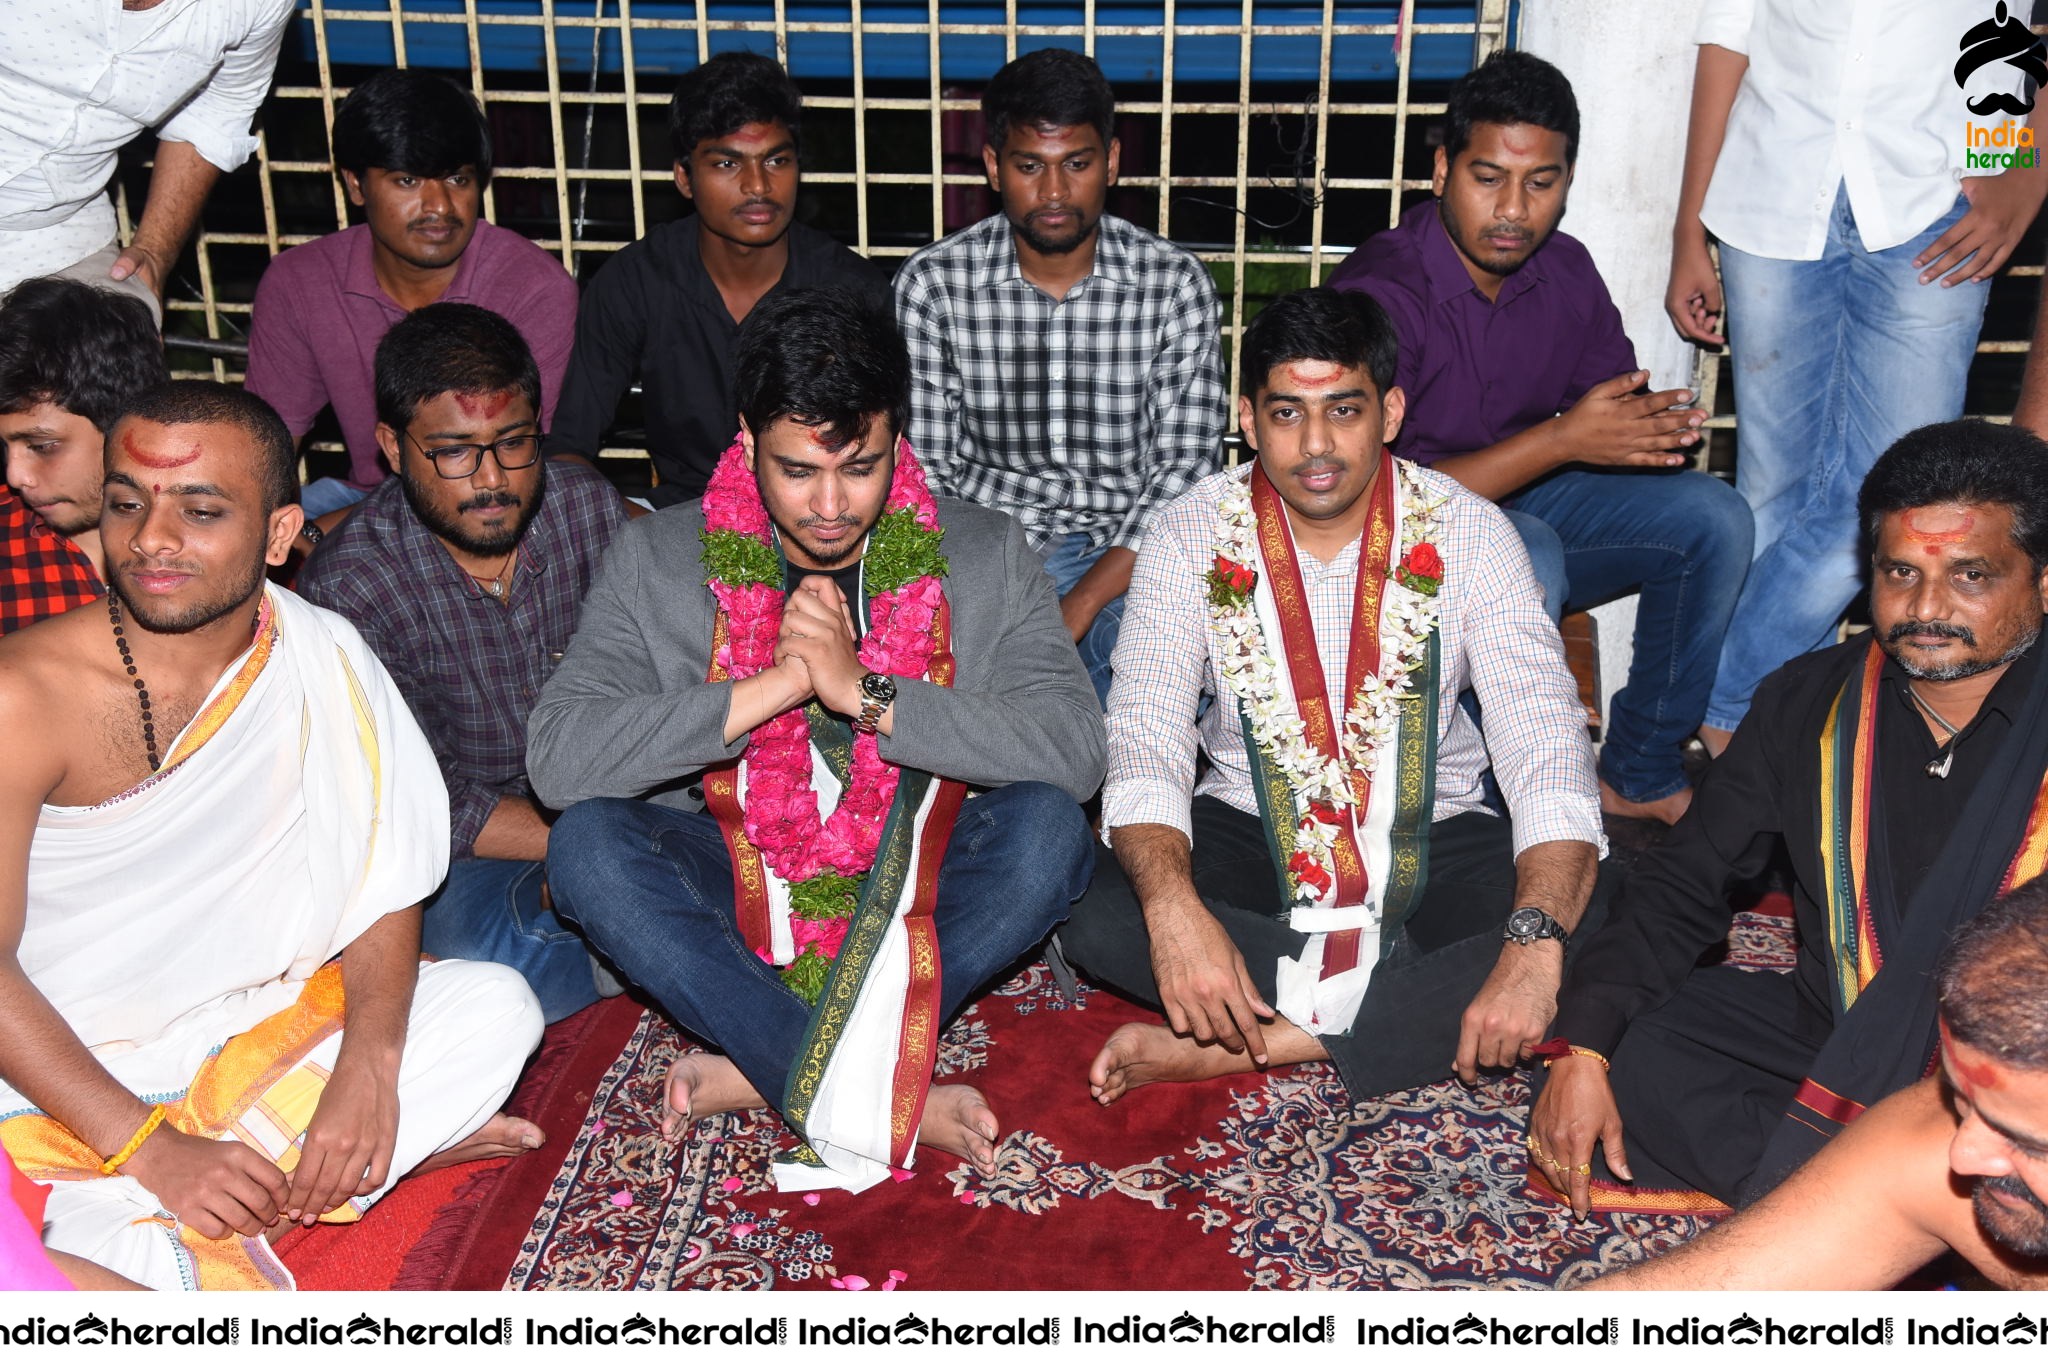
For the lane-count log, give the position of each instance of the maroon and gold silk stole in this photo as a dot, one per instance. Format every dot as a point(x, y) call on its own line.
point(1321, 722)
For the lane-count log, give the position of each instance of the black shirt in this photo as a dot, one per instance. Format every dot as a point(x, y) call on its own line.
point(847, 577)
point(1674, 907)
point(654, 312)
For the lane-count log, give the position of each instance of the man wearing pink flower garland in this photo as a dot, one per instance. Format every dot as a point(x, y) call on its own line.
point(834, 696)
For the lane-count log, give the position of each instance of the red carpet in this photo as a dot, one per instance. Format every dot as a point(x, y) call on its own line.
point(1235, 1183)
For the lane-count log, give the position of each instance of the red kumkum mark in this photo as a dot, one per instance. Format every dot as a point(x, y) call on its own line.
point(1931, 539)
point(155, 460)
point(1968, 1077)
point(1313, 374)
point(484, 406)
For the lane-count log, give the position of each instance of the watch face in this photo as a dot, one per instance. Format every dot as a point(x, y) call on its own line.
point(1525, 922)
point(880, 687)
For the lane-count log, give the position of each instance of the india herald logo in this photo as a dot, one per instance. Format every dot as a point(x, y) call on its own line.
point(2003, 38)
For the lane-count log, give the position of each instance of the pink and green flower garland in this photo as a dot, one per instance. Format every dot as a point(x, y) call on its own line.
point(822, 859)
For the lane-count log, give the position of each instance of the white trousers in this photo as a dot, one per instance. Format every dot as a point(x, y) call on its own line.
point(471, 1029)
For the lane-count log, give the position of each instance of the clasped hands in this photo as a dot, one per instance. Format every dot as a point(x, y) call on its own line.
point(815, 649)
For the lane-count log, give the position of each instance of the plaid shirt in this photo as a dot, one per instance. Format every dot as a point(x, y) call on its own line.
point(41, 572)
point(1087, 414)
point(1495, 637)
point(469, 666)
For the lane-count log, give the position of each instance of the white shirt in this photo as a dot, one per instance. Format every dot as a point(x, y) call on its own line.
point(1855, 94)
point(80, 78)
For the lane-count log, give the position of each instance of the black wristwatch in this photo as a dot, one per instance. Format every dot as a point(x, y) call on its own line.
point(1527, 925)
point(877, 691)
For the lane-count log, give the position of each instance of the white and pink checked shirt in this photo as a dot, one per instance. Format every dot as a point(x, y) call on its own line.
point(1495, 638)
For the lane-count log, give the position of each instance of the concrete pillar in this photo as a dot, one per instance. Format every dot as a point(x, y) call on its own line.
point(1631, 66)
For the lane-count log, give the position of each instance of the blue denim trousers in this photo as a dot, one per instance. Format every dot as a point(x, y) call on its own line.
point(1835, 360)
point(1066, 561)
point(652, 887)
point(1681, 540)
point(489, 910)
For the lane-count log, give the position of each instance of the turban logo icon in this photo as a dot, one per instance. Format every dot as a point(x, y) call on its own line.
point(2002, 38)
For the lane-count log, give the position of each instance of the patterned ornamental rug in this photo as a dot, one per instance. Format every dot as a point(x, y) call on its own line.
point(1226, 1184)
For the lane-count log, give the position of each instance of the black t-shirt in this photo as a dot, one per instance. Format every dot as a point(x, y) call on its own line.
point(654, 312)
point(847, 577)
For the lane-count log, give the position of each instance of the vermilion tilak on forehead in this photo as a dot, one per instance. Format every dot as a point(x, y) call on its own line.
point(484, 406)
point(155, 460)
point(1969, 1077)
point(1932, 537)
point(1309, 374)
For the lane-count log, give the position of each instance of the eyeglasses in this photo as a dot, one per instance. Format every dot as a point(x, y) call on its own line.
point(460, 462)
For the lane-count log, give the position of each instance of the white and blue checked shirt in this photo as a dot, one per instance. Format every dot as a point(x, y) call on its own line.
point(1087, 414)
point(1495, 638)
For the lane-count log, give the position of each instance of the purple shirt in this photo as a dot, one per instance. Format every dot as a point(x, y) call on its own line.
point(1478, 371)
point(320, 314)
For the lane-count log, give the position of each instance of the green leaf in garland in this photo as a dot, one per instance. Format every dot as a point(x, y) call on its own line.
point(824, 895)
point(739, 561)
point(805, 975)
point(899, 551)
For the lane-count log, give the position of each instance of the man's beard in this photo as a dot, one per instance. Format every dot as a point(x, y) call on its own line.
point(452, 530)
point(164, 620)
point(2024, 1233)
point(828, 557)
point(1054, 246)
point(1454, 228)
point(1957, 669)
point(69, 517)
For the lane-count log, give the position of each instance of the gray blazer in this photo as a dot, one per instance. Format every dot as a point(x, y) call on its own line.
point(628, 714)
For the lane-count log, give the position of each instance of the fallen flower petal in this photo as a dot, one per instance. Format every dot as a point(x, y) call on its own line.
point(622, 1199)
point(731, 1184)
point(811, 1198)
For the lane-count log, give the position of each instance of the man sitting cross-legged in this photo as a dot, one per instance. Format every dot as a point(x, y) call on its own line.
point(1906, 774)
point(1956, 1161)
point(1344, 867)
point(844, 681)
point(217, 820)
point(465, 574)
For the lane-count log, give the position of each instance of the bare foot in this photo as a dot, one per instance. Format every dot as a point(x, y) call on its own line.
point(958, 1121)
point(1664, 809)
point(1715, 739)
point(1138, 1054)
point(502, 1136)
point(702, 1085)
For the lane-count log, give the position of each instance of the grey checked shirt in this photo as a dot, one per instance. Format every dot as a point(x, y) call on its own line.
point(1086, 414)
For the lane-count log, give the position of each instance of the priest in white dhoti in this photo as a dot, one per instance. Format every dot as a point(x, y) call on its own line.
point(1336, 885)
point(822, 739)
point(217, 820)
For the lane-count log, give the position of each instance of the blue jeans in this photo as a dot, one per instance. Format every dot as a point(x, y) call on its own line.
point(326, 495)
point(1683, 541)
point(652, 887)
point(1069, 558)
point(1835, 360)
point(489, 910)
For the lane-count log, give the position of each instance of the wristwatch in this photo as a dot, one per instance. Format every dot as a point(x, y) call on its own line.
point(877, 691)
point(1527, 925)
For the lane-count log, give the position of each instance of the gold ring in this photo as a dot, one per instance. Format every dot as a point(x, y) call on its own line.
point(1584, 1170)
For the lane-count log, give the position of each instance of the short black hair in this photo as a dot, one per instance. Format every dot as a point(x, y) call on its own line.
point(414, 122)
point(1511, 87)
point(451, 349)
point(82, 348)
point(1343, 327)
point(1966, 461)
point(828, 358)
point(1990, 976)
point(728, 92)
point(1054, 87)
point(180, 403)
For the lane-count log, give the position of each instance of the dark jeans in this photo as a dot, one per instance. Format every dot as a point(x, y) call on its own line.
point(652, 887)
point(1406, 1033)
point(489, 910)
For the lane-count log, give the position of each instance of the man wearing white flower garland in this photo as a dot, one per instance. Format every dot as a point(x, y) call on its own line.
point(831, 694)
point(1338, 860)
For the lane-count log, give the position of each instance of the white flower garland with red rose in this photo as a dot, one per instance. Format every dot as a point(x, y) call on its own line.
point(1408, 617)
